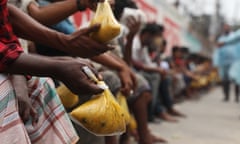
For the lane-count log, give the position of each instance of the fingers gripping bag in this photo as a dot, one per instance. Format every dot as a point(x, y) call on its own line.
point(101, 115)
point(67, 97)
point(110, 28)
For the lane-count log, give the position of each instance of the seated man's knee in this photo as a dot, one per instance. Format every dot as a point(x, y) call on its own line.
point(112, 80)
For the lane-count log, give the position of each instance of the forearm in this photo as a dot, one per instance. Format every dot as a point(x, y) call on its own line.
point(54, 12)
point(27, 64)
point(151, 69)
point(26, 27)
point(19, 83)
point(128, 50)
point(189, 73)
point(108, 60)
point(140, 66)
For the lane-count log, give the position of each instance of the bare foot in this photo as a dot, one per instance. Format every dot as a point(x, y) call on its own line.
point(126, 141)
point(175, 112)
point(156, 139)
point(166, 117)
point(152, 139)
point(134, 134)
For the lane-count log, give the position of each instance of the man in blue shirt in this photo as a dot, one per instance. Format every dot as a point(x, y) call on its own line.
point(226, 55)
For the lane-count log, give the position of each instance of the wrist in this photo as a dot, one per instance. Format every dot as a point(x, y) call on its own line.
point(62, 42)
point(124, 68)
point(130, 36)
point(56, 68)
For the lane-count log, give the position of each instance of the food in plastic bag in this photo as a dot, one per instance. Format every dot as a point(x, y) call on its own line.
point(133, 124)
point(200, 82)
point(129, 119)
point(213, 77)
point(67, 97)
point(123, 103)
point(110, 28)
point(203, 81)
point(101, 115)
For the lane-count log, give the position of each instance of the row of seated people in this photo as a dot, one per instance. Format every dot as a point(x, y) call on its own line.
point(136, 67)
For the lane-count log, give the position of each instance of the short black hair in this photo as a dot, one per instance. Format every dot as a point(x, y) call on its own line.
point(152, 28)
point(164, 42)
point(161, 28)
point(175, 49)
point(185, 49)
point(120, 5)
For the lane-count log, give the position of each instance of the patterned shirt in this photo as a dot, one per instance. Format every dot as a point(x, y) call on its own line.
point(9, 46)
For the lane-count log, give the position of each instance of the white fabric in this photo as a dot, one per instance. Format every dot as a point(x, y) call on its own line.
point(140, 53)
point(137, 14)
point(2, 78)
point(164, 65)
point(23, 4)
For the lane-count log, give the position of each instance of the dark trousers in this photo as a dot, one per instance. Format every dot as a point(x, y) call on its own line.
point(165, 96)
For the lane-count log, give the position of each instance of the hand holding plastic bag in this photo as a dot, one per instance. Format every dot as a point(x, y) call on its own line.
point(110, 28)
point(101, 115)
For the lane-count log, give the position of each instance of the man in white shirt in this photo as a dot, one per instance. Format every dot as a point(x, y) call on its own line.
point(142, 62)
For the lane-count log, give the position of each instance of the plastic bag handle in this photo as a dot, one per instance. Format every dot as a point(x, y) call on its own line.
point(90, 74)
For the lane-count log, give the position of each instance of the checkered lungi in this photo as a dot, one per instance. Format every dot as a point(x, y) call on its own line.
point(53, 126)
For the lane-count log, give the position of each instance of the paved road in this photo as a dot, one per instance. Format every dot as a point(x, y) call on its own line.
point(210, 121)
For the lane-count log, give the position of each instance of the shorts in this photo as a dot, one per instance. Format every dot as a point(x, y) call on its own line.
point(114, 83)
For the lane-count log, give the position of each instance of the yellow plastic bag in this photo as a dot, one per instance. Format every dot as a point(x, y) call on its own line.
point(123, 103)
point(129, 119)
point(203, 81)
point(67, 97)
point(133, 124)
point(110, 28)
point(200, 82)
point(101, 115)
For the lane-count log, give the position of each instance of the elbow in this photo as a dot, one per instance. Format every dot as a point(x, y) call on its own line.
point(38, 14)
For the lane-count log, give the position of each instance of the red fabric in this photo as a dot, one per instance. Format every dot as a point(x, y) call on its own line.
point(180, 62)
point(10, 48)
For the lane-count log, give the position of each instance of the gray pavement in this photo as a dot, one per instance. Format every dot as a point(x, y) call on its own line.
point(209, 121)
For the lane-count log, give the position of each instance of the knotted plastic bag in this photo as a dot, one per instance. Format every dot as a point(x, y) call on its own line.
point(123, 103)
point(67, 97)
point(101, 115)
point(110, 28)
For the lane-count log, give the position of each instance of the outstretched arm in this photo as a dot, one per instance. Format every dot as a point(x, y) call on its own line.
point(57, 11)
point(52, 13)
point(127, 77)
point(77, 44)
point(68, 70)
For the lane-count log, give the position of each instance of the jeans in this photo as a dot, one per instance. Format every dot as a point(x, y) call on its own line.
point(154, 81)
point(165, 96)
